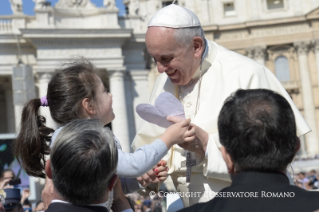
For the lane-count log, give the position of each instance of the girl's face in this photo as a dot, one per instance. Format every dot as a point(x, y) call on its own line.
point(104, 104)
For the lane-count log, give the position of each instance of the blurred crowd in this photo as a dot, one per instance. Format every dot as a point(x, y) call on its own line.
point(140, 203)
point(16, 199)
point(308, 180)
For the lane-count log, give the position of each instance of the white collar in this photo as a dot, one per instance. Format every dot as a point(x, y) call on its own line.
point(55, 134)
point(94, 205)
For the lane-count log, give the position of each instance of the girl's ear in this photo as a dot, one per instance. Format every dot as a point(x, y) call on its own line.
point(88, 107)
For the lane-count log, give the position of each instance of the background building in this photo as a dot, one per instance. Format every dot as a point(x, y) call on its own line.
point(281, 34)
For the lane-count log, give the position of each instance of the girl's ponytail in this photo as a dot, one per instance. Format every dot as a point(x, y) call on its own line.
point(32, 143)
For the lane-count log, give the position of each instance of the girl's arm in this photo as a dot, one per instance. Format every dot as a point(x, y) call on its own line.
point(145, 158)
point(131, 165)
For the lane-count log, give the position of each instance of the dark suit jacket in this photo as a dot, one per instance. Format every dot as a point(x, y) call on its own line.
point(265, 192)
point(65, 207)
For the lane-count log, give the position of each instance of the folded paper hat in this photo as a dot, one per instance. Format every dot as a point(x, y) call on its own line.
point(166, 104)
point(174, 16)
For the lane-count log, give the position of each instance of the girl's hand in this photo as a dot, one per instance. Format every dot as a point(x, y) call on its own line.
point(178, 133)
point(156, 175)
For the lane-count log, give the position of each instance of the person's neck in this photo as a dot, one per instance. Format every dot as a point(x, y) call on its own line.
point(57, 196)
point(103, 199)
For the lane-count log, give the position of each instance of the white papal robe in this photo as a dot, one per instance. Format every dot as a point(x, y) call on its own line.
point(223, 72)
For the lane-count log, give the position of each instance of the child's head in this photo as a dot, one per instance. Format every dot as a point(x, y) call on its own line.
point(75, 91)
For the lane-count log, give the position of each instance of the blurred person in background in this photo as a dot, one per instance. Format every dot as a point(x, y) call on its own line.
point(27, 206)
point(12, 202)
point(156, 204)
point(147, 205)
point(1, 207)
point(6, 176)
point(39, 206)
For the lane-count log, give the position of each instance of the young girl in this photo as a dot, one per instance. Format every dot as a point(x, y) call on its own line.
point(78, 92)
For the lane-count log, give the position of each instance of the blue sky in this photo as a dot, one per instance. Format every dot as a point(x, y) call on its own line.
point(28, 6)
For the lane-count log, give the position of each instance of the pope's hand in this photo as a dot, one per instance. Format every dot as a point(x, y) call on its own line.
point(199, 145)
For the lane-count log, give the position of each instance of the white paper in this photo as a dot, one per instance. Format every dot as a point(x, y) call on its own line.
point(165, 105)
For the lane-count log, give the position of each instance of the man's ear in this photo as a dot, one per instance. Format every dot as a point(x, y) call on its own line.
point(88, 107)
point(113, 181)
point(229, 162)
point(48, 169)
point(198, 46)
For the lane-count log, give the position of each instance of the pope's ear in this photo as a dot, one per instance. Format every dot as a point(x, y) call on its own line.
point(198, 46)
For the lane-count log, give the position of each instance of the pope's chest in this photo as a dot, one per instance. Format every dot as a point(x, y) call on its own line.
point(188, 96)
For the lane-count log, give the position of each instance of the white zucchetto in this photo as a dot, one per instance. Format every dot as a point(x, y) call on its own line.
point(174, 16)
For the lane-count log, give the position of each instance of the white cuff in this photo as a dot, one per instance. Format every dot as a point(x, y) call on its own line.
point(209, 142)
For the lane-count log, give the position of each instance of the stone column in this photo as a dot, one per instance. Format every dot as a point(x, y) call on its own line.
point(254, 9)
point(44, 79)
point(140, 89)
point(9, 109)
point(297, 7)
point(23, 89)
point(205, 9)
point(249, 52)
point(120, 123)
point(307, 94)
point(260, 54)
point(316, 48)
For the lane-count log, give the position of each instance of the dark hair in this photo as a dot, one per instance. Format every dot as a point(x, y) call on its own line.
point(83, 160)
point(7, 170)
point(27, 202)
point(66, 90)
point(257, 128)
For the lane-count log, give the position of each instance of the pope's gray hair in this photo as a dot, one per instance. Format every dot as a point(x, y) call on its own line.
point(83, 160)
point(184, 36)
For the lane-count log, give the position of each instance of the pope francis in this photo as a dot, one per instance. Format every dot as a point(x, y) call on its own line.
point(201, 74)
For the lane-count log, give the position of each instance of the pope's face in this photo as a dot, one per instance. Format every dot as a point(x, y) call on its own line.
point(177, 61)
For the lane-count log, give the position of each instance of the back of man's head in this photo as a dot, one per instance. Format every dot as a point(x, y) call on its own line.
point(257, 128)
point(83, 160)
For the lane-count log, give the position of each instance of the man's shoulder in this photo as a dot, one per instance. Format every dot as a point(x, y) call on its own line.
point(234, 62)
point(200, 207)
point(63, 207)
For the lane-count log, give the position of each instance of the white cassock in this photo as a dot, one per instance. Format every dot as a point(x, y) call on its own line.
point(223, 72)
